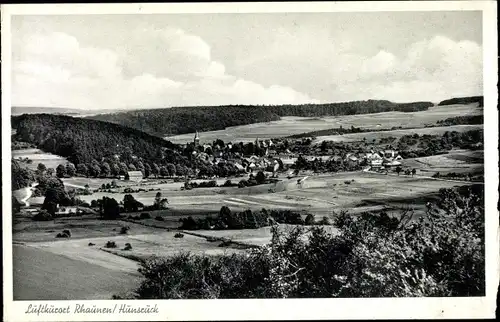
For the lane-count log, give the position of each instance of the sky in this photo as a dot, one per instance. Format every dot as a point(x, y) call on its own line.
point(101, 62)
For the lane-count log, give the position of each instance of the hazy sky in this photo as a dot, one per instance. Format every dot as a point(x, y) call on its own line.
point(115, 61)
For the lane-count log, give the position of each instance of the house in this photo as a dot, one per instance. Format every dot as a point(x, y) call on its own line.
point(239, 167)
point(62, 211)
point(135, 176)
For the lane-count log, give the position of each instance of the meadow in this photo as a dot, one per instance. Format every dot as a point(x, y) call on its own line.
point(290, 125)
point(81, 267)
point(38, 156)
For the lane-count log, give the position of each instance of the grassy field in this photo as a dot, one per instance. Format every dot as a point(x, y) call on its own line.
point(294, 125)
point(369, 136)
point(38, 156)
point(458, 161)
point(44, 275)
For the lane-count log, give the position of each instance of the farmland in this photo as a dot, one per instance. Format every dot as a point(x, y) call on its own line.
point(37, 156)
point(93, 271)
point(289, 125)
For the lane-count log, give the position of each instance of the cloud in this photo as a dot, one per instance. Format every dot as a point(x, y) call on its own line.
point(430, 69)
point(154, 68)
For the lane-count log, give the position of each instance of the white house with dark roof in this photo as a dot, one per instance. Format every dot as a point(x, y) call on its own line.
point(134, 176)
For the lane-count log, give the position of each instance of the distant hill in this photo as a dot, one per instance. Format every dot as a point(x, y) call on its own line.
point(181, 120)
point(464, 100)
point(83, 140)
point(19, 110)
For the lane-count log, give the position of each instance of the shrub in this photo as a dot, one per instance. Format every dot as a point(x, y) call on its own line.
point(110, 244)
point(127, 246)
point(372, 255)
point(145, 215)
point(91, 244)
point(178, 235)
point(310, 219)
point(324, 221)
point(124, 230)
point(62, 235)
point(43, 215)
point(67, 232)
point(347, 182)
point(159, 218)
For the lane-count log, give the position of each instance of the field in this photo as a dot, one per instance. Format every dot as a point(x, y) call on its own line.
point(37, 156)
point(43, 275)
point(353, 137)
point(294, 125)
point(458, 161)
point(81, 267)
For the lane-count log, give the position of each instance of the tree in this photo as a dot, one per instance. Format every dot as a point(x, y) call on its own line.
point(95, 170)
point(310, 220)
point(163, 171)
point(21, 177)
point(413, 172)
point(16, 205)
point(115, 169)
point(41, 168)
point(155, 169)
point(147, 170)
point(70, 169)
point(130, 204)
point(398, 169)
point(105, 169)
point(82, 169)
point(260, 177)
point(157, 200)
point(110, 208)
point(61, 171)
point(172, 170)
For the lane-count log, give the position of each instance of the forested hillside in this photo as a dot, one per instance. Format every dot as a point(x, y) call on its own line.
point(464, 100)
point(84, 140)
point(180, 120)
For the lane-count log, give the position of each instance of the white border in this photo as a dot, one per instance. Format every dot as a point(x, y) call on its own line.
point(394, 308)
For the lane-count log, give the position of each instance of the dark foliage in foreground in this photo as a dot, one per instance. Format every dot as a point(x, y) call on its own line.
point(180, 120)
point(441, 254)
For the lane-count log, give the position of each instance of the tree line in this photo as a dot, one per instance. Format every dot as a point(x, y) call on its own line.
point(181, 120)
point(464, 100)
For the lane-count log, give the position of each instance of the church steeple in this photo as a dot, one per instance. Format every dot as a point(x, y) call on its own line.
point(196, 139)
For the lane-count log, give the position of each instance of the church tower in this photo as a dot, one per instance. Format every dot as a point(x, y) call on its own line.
point(257, 142)
point(196, 139)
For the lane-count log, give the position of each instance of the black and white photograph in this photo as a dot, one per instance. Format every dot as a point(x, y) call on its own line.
point(241, 154)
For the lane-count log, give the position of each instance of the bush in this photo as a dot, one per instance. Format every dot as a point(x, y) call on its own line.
point(243, 183)
point(159, 218)
point(178, 235)
point(145, 215)
point(64, 234)
point(67, 232)
point(310, 219)
point(347, 182)
point(124, 230)
point(110, 244)
point(127, 246)
point(372, 255)
point(43, 215)
point(91, 244)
